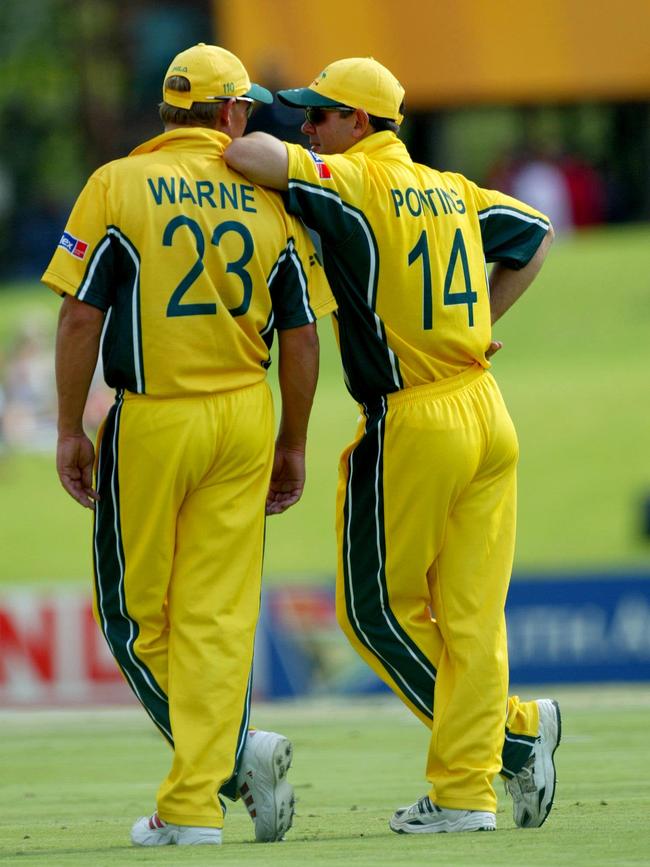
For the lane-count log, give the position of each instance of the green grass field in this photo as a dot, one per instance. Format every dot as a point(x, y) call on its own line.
point(73, 783)
point(574, 371)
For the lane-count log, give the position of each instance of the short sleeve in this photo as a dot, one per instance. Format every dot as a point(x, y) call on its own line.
point(300, 293)
point(511, 230)
point(83, 262)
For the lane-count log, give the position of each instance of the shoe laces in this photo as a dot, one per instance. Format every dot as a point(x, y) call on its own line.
point(156, 823)
point(422, 807)
point(524, 780)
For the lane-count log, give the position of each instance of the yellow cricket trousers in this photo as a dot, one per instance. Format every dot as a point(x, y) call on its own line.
point(426, 516)
point(179, 534)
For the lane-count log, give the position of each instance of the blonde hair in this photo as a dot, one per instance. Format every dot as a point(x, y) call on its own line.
point(200, 114)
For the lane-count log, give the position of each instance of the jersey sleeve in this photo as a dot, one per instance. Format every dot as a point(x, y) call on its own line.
point(300, 293)
point(320, 187)
point(83, 262)
point(511, 230)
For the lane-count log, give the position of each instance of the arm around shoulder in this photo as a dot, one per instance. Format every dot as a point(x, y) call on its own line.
point(261, 158)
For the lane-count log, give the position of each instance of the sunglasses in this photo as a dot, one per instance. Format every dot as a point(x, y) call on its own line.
point(249, 107)
point(314, 116)
point(250, 102)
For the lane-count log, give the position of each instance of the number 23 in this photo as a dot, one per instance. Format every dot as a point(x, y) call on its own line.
point(175, 306)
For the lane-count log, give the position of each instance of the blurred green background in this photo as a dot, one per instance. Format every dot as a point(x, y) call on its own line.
point(574, 371)
point(79, 85)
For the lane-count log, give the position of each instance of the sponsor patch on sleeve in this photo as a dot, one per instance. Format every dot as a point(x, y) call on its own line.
point(321, 167)
point(74, 246)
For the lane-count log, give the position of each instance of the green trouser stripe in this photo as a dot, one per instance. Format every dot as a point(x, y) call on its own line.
point(229, 788)
point(364, 569)
point(366, 594)
point(119, 629)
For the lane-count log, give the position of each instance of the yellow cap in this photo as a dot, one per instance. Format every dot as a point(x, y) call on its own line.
point(213, 73)
point(357, 82)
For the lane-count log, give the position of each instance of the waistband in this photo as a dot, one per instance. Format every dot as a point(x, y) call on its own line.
point(432, 390)
point(192, 395)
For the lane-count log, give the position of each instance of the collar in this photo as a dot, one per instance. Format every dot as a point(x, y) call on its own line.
point(381, 145)
point(191, 138)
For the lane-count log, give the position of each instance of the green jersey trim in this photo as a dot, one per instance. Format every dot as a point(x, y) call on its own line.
point(88, 283)
point(289, 284)
point(512, 212)
point(112, 281)
point(511, 236)
point(136, 335)
point(359, 229)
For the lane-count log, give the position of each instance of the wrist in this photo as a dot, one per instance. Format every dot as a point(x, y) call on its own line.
point(66, 432)
point(291, 445)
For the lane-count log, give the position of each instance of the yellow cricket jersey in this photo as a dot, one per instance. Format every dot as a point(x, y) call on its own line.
point(405, 250)
point(194, 266)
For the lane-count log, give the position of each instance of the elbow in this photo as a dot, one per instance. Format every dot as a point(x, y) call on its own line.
point(307, 337)
point(234, 155)
point(546, 243)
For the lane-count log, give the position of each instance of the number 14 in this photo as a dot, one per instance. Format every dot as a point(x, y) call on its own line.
point(468, 297)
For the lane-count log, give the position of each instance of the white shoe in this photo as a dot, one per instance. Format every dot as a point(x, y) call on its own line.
point(263, 786)
point(533, 788)
point(423, 817)
point(153, 831)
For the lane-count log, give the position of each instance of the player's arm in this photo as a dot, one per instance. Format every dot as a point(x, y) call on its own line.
point(516, 237)
point(508, 285)
point(298, 375)
point(261, 158)
point(77, 346)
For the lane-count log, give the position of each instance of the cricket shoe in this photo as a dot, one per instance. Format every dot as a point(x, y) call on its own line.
point(153, 831)
point(263, 787)
point(424, 817)
point(533, 788)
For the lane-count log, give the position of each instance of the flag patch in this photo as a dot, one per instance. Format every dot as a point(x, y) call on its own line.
point(321, 167)
point(73, 245)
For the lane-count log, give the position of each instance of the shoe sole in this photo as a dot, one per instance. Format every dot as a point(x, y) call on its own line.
point(558, 722)
point(283, 796)
point(432, 829)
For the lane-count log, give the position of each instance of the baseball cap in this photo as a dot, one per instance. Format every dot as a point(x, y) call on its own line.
point(213, 73)
point(357, 82)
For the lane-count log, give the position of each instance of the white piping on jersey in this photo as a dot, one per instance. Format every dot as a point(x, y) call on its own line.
point(134, 311)
point(100, 601)
point(107, 319)
point(407, 688)
point(290, 250)
point(511, 212)
point(134, 307)
point(269, 325)
point(91, 271)
point(373, 262)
